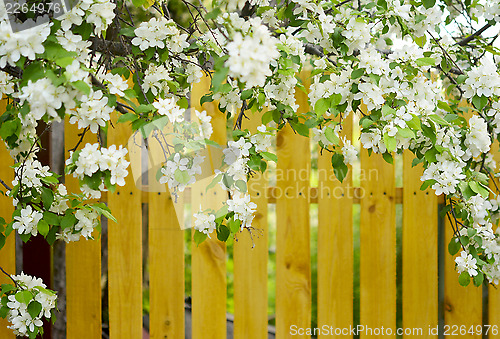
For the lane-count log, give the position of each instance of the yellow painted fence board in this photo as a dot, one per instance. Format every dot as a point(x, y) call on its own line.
point(166, 254)
point(209, 258)
point(125, 246)
point(462, 305)
point(377, 244)
point(420, 253)
point(83, 264)
point(293, 266)
point(250, 263)
point(335, 243)
point(8, 252)
point(493, 291)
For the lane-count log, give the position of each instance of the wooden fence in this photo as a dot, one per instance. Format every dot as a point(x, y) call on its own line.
point(377, 196)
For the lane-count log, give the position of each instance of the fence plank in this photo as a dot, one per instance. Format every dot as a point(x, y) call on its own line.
point(462, 305)
point(166, 255)
point(209, 258)
point(125, 248)
point(493, 291)
point(83, 265)
point(8, 252)
point(335, 243)
point(293, 265)
point(250, 263)
point(377, 244)
point(420, 245)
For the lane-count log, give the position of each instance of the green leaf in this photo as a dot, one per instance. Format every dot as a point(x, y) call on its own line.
point(300, 128)
point(64, 62)
point(445, 106)
point(429, 4)
point(479, 102)
point(336, 98)
point(4, 311)
point(9, 127)
point(387, 110)
point(269, 156)
point(51, 218)
point(182, 176)
point(406, 133)
point(223, 233)
point(390, 142)
point(127, 117)
point(234, 225)
point(241, 185)
point(331, 135)
point(357, 73)
point(478, 279)
point(414, 123)
point(388, 158)
point(24, 297)
point(101, 208)
point(47, 197)
point(321, 106)
point(213, 14)
point(454, 246)
point(339, 167)
point(426, 61)
point(34, 308)
point(81, 86)
point(437, 119)
point(464, 279)
point(68, 220)
point(43, 227)
point(7, 288)
point(199, 237)
point(478, 188)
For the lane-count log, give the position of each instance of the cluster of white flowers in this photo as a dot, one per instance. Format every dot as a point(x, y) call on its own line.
point(242, 207)
point(349, 151)
point(93, 112)
point(482, 80)
point(170, 108)
point(43, 98)
point(179, 172)
point(25, 43)
point(161, 33)
point(88, 220)
point(477, 139)
point(92, 159)
point(205, 127)
point(31, 172)
point(447, 175)
point(250, 55)
point(100, 13)
point(465, 262)
point(27, 222)
point(155, 79)
point(204, 223)
point(31, 291)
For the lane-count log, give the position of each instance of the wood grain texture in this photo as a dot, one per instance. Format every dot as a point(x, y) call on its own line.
point(462, 305)
point(293, 264)
point(335, 243)
point(420, 245)
point(8, 252)
point(250, 263)
point(166, 254)
point(377, 244)
point(209, 258)
point(125, 247)
point(83, 264)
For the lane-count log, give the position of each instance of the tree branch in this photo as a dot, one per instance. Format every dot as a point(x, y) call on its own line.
point(471, 37)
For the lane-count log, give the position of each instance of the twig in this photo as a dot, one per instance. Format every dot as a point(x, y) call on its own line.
point(7, 274)
point(471, 37)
